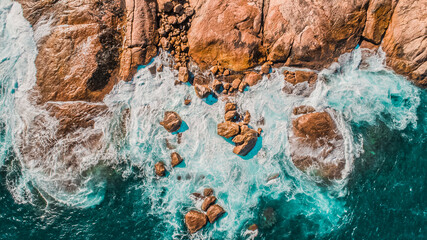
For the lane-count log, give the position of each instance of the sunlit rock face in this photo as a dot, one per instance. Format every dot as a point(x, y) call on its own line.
point(85, 47)
point(405, 41)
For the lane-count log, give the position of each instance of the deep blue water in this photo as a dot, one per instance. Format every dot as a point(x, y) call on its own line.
point(383, 118)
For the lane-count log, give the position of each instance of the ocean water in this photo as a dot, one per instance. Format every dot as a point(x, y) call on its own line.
point(381, 114)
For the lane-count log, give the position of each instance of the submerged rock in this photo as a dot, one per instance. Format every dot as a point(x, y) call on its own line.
point(176, 159)
point(317, 145)
point(303, 110)
point(171, 121)
point(268, 217)
point(195, 220)
point(214, 212)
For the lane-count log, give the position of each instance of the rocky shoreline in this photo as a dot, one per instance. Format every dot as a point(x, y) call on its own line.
point(220, 48)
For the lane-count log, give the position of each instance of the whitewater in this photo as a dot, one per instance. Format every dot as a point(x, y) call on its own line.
point(117, 194)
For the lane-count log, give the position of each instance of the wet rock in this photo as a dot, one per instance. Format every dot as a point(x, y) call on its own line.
point(217, 85)
point(208, 192)
point(202, 91)
point(160, 169)
point(187, 101)
point(252, 78)
point(247, 118)
point(303, 110)
point(183, 74)
point(230, 107)
point(228, 129)
point(265, 68)
point(300, 77)
point(259, 131)
point(272, 177)
point(242, 86)
point(317, 145)
point(167, 6)
point(214, 212)
point(176, 159)
point(231, 116)
point(236, 83)
point(195, 221)
point(250, 139)
point(171, 121)
point(197, 196)
point(253, 227)
point(208, 202)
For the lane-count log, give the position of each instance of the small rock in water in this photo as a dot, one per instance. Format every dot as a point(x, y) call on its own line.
point(230, 107)
point(183, 74)
point(214, 212)
point(195, 221)
point(160, 68)
point(303, 110)
point(176, 159)
point(160, 169)
point(207, 192)
point(187, 101)
point(253, 227)
point(268, 217)
point(197, 196)
point(171, 121)
point(272, 177)
point(247, 118)
point(202, 91)
point(217, 85)
point(250, 139)
point(208, 202)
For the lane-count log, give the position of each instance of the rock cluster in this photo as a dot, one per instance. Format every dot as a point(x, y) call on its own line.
point(316, 143)
point(175, 20)
point(299, 82)
point(196, 220)
point(244, 137)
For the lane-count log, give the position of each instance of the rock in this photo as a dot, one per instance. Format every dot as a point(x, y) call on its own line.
point(202, 91)
point(171, 121)
point(165, 43)
point(172, 20)
point(189, 11)
point(252, 78)
point(227, 86)
point(404, 41)
point(272, 177)
point(303, 110)
point(300, 76)
point(183, 74)
point(187, 101)
point(230, 107)
point(242, 86)
point(197, 196)
point(214, 70)
point(268, 217)
point(226, 72)
point(265, 68)
point(195, 221)
point(317, 145)
point(231, 116)
point(239, 139)
point(217, 85)
point(259, 131)
point(378, 17)
point(208, 202)
point(178, 8)
point(247, 118)
point(228, 129)
point(214, 212)
point(176, 159)
point(167, 6)
point(236, 83)
point(250, 139)
point(207, 192)
point(160, 169)
point(253, 227)
point(226, 32)
point(160, 68)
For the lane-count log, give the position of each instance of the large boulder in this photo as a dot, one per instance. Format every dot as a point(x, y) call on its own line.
point(228, 129)
point(208, 202)
point(214, 212)
point(226, 32)
point(405, 41)
point(171, 121)
point(195, 221)
point(317, 145)
point(84, 52)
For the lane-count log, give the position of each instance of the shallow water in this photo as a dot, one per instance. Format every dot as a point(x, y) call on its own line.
point(382, 116)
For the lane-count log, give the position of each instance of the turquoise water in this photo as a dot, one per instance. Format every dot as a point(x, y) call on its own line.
point(382, 117)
